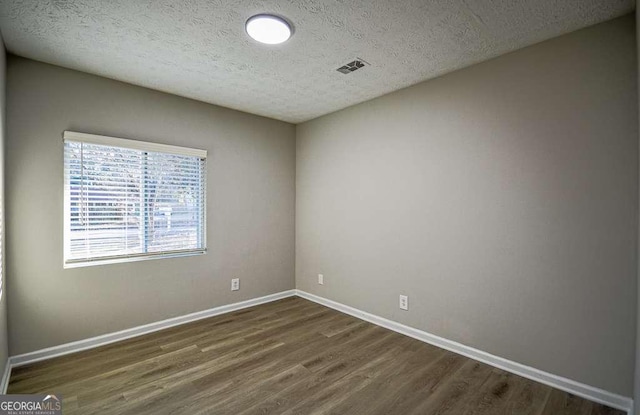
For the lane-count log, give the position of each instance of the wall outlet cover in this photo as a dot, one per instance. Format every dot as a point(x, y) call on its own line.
point(404, 302)
point(320, 279)
point(235, 284)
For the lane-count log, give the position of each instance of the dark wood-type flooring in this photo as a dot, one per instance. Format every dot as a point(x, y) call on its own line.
point(287, 357)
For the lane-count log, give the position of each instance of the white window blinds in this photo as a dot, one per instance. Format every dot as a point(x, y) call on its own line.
point(127, 199)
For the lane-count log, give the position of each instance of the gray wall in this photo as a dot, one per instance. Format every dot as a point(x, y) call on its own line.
point(250, 217)
point(637, 378)
point(502, 198)
point(3, 302)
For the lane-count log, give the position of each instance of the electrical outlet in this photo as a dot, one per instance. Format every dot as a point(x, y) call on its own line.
point(235, 284)
point(320, 279)
point(404, 302)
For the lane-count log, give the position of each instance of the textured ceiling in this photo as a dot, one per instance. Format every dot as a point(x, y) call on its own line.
point(198, 48)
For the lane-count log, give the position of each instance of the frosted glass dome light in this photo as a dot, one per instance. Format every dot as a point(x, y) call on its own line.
point(268, 29)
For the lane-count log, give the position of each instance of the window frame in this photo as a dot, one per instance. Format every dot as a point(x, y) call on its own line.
point(137, 145)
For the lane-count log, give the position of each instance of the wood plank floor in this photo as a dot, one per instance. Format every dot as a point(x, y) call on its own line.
point(287, 357)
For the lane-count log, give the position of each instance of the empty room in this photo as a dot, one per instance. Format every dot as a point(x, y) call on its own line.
point(370, 207)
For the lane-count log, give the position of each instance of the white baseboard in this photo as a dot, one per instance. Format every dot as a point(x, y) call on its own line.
point(589, 392)
point(67, 348)
point(4, 383)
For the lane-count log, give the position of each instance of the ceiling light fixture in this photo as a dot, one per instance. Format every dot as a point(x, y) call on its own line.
point(269, 29)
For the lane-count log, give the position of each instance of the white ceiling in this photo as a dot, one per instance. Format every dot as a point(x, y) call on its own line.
point(198, 48)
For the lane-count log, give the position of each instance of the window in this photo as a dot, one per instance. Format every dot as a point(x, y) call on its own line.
point(129, 200)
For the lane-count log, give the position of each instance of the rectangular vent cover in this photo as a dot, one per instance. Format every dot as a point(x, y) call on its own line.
point(352, 66)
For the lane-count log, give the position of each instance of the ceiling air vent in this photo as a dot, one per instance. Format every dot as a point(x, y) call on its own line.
point(352, 66)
